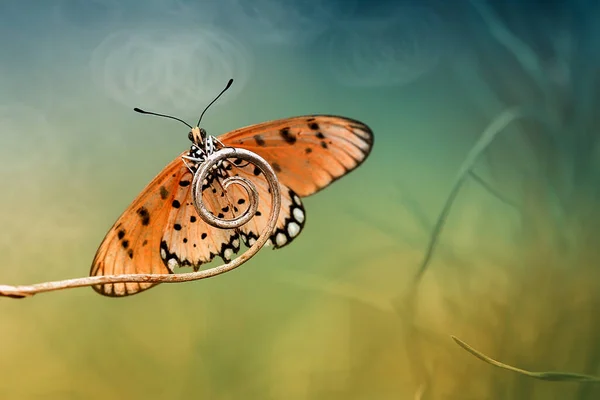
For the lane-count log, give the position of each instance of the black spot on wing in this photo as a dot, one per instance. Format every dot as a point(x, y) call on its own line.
point(144, 215)
point(163, 192)
point(259, 140)
point(288, 136)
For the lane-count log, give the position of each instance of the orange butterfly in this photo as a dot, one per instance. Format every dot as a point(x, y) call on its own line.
point(161, 229)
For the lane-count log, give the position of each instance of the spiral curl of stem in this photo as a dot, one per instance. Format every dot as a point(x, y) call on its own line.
point(206, 168)
point(22, 291)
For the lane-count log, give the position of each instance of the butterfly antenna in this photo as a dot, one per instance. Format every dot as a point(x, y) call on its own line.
point(216, 98)
point(162, 115)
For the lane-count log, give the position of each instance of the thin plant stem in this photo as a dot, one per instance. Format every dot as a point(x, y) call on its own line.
point(489, 134)
point(493, 191)
point(554, 376)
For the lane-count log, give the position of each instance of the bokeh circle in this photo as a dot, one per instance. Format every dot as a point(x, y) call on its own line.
point(170, 71)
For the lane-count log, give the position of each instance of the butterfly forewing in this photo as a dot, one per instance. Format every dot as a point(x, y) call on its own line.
point(161, 229)
point(308, 153)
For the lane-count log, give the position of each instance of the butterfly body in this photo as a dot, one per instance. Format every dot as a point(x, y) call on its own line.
point(202, 147)
point(162, 230)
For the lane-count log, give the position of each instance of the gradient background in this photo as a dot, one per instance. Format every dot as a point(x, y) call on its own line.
point(326, 318)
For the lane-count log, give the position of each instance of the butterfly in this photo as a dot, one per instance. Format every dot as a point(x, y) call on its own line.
point(161, 230)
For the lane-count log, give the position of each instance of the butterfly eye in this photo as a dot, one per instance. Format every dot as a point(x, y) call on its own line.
point(202, 133)
point(191, 136)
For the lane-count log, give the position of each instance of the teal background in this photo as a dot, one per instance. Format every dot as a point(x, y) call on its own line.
point(319, 319)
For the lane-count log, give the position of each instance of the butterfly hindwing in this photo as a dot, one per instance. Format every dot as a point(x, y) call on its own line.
point(308, 153)
point(291, 215)
point(151, 231)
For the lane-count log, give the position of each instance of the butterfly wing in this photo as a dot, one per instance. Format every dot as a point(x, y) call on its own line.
point(161, 230)
point(291, 215)
point(309, 152)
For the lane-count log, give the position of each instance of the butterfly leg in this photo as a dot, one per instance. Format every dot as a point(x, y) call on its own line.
point(187, 165)
point(217, 141)
point(195, 160)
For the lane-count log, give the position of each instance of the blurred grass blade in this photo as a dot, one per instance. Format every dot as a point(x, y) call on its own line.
point(496, 193)
point(487, 137)
point(555, 376)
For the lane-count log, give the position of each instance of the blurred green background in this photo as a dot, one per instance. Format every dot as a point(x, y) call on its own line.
point(327, 317)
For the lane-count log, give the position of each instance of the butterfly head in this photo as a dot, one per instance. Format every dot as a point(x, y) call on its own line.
point(197, 136)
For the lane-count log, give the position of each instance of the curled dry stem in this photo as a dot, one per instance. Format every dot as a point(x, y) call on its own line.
point(22, 291)
point(555, 376)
